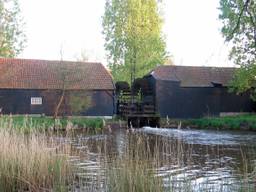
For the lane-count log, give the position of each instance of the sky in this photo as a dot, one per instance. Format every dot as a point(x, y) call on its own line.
point(191, 30)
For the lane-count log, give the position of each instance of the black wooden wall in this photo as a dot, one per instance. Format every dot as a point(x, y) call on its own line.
point(193, 102)
point(13, 101)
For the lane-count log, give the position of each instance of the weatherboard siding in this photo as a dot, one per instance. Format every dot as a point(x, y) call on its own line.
point(175, 101)
point(18, 101)
point(201, 102)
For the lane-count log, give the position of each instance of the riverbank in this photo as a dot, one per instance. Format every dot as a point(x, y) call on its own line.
point(239, 122)
point(25, 123)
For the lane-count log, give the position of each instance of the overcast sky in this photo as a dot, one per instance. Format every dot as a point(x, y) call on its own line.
point(192, 30)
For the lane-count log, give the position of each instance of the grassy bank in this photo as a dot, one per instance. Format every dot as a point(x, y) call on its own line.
point(239, 122)
point(25, 123)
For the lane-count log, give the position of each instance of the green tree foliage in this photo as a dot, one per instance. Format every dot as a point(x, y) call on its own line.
point(12, 37)
point(133, 38)
point(79, 101)
point(239, 27)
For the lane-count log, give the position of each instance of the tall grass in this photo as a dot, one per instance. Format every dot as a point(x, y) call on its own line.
point(131, 176)
point(137, 168)
point(28, 124)
point(32, 163)
point(37, 162)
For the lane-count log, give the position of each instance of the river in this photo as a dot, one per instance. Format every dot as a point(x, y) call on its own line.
point(187, 160)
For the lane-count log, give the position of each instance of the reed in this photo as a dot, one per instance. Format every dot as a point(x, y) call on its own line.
point(40, 162)
point(137, 168)
point(152, 163)
point(30, 124)
point(32, 163)
point(130, 176)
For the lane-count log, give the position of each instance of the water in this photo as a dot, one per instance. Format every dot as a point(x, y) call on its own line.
point(197, 160)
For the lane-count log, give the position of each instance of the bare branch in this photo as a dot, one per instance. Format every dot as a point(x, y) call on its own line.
point(254, 26)
point(239, 19)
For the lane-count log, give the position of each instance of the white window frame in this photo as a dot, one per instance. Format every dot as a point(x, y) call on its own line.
point(36, 100)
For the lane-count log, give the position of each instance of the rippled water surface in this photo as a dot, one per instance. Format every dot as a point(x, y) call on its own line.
point(187, 160)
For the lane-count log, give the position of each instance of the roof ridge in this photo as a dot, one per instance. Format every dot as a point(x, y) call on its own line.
point(194, 75)
point(47, 60)
point(196, 66)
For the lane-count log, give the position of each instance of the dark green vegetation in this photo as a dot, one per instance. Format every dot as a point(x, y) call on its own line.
point(34, 123)
point(239, 28)
point(240, 122)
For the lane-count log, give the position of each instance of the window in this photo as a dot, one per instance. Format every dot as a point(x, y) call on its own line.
point(36, 101)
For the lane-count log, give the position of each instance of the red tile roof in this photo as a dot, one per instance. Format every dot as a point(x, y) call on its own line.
point(43, 74)
point(189, 76)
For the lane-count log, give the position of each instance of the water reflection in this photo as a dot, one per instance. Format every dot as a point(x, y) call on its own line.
point(186, 159)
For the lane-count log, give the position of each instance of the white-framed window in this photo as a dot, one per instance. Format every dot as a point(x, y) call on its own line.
point(36, 101)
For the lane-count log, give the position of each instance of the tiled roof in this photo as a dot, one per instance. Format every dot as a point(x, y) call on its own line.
point(189, 76)
point(43, 74)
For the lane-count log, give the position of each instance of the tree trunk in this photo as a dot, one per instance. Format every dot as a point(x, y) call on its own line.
point(59, 104)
